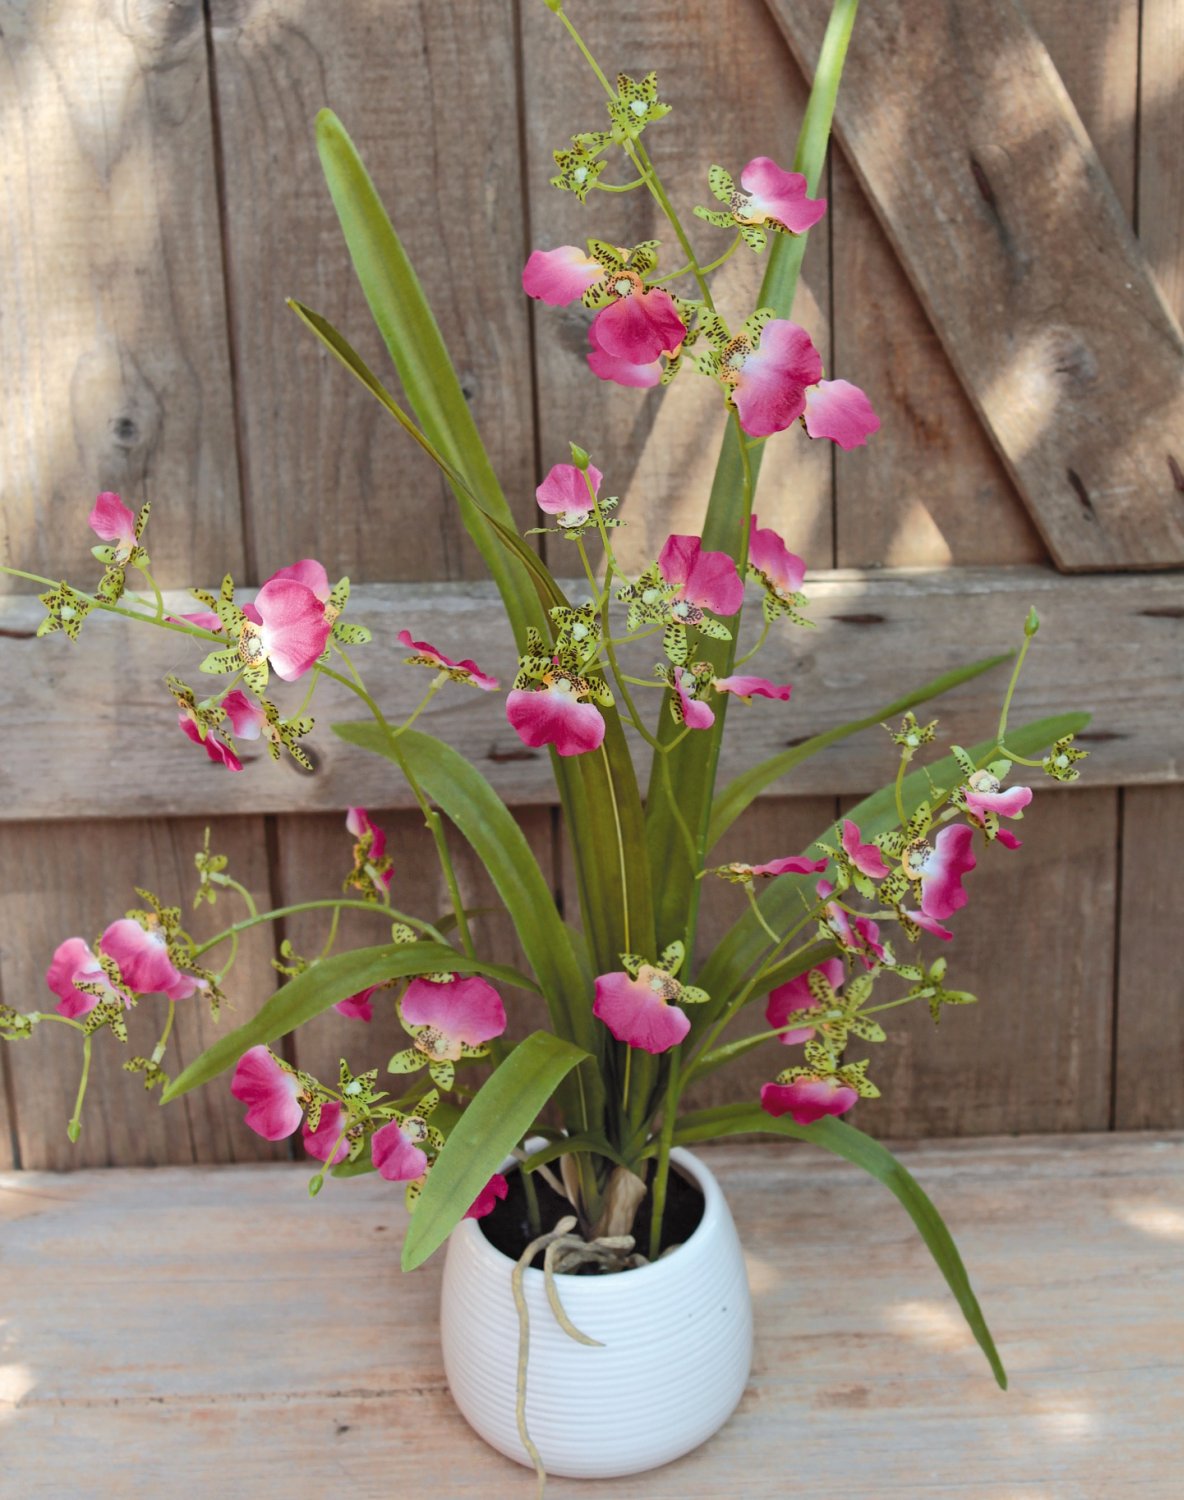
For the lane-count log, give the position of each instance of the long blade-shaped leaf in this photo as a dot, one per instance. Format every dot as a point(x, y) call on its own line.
point(851, 1144)
point(323, 985)
point(494, 1122)
point(738, 794)
point(785, 898)
point(693, 763)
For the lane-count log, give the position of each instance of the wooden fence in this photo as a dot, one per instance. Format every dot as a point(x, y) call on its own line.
point(999, 268)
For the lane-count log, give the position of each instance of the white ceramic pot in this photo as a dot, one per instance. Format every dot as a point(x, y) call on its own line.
point(677, 1348)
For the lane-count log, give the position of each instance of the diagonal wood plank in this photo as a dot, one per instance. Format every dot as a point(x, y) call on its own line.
point(982, 174)
point(879, 634)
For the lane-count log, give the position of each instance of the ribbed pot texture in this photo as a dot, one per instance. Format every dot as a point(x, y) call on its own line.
point(677, 1339)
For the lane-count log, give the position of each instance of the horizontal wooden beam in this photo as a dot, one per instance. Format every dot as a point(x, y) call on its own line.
point(88, 730)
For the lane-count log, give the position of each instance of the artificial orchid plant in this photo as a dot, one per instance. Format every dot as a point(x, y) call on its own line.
point(636, 1016)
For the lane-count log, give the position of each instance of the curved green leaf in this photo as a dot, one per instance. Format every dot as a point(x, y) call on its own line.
point(495, 1120)
point(324, 984)
point(738, 794)
point(851, 1144)
point(565, 1145)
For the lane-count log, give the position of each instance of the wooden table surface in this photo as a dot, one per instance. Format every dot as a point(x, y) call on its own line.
point(209, 1332)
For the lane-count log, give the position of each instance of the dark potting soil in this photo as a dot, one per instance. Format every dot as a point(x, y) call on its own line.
point(508, 1229)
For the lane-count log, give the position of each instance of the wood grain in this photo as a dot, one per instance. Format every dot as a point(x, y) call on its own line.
point(879, 634)
point(1073, 1246)
point(1161, 122)
point(48, 903)
point(982, 174)
point(1149, 1056)
point(326, 471)
point(735, 95)
point(113, 356)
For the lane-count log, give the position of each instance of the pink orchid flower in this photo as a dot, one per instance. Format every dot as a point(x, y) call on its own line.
point(865, 857)
point(310, 573)
point(929, 924)
point(323, 1141)
point(640, 325)
point(217, 750)
point(807, 1099)
point(245, 714)
point(485, 1201)
point(838, 410)
point(745, 687)
point(359, 1007)
point(772, 195)
point(795, 995)
point(291, 627)
point(555, 713)
point(564, 493)
point(460, 671)
point(859, 936)
point(143, 958)
point(986, 794)
point(769, 379)
point(111, 521)
point(708, 580)
point(395, 1150)
point(695, 713)
point(638, 1011)
point(782, 570)
point(560, 276)
point(640, 376)
point(1008, 839)
point(358, 822)
point(73, 961)
point(204, 619)
point(461, 1012)
point(796, 864)
point(270, 1093)
point(940, 867)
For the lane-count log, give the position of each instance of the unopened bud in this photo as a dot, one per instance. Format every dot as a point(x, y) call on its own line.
point(1032, 623)
point(315, 1184)
point(554, 5)
point(579, 456)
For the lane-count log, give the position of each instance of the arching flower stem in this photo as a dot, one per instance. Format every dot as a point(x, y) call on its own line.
point(619, 187)
point(612, 791)
point(159, 1049)
point(344, 905)
point(74, 1128)
point(702, 270)
point(118, 609)
point(748, 655)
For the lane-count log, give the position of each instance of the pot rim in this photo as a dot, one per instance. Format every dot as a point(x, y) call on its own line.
point(693, 1167)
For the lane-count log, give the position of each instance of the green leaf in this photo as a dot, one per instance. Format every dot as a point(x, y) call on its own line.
point(319, 987)
point(495, 1120)
point(781, 903)
point(851, 1144)
point(587, 1141)
point(735, 797)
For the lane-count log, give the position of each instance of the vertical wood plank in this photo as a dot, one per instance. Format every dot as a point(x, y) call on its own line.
point(736, 94)
point(428, 93)
point(1161, 126)
point(7, 1110)
point(1036, 945)
point(1149, 1064)
point(113, 354)
point(120, 1122)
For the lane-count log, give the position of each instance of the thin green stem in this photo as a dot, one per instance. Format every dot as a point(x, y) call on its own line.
point(154, 586)
point(625, 1088)
point(74, 1128)
point(666, 1140)
point(437, 683)
point(757, 913)
point(118, 609)
point(689, 269)
point(619, 187)
point(899, 792)
point(748, 655)
point(159, 1049)
point(314, 678)
point(235, 885)
point(1019, 760)
point(612, 791)
point(327, 948)
point(1011, 687)
point(288, 911)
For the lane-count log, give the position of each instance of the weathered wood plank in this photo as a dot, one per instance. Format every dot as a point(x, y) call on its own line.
point(1073, 1246)
point(42, 902)
point(982, 174)
point(879, 633)
point(326, 471)
point(1149, 1084)
point(1036, 945)
point(113, 354)
point(1161, 171)
point(735, 95)
point(8, 1155)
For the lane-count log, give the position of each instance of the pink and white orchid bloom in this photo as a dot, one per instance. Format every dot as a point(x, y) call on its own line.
point(807, 1099)
point(217, 750)
point(464, 1011)
point(986, 794)
point(746, 687)
point(486, 1200)
point(291, 628)
point(111, 521)
point(695, 713)
point(564, 493)
point(708, 580)
point(795, 995)
point(796, 864)
point(556, 713)
point(323, 1142)
point(838, 410)
point(358, 822)
point(940, 867)
point(245, 714)
point(769, 379)
point(640, 376)
point(640, 324)
point(773, 195)
point(395, 1150)
point(270, 1093)
point(859, 936)
point(73, 961)
point(560, 276)
point(781, 570)
point(638, 1011)
point(866, 858)
point(142, 955)
point(459, 671)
